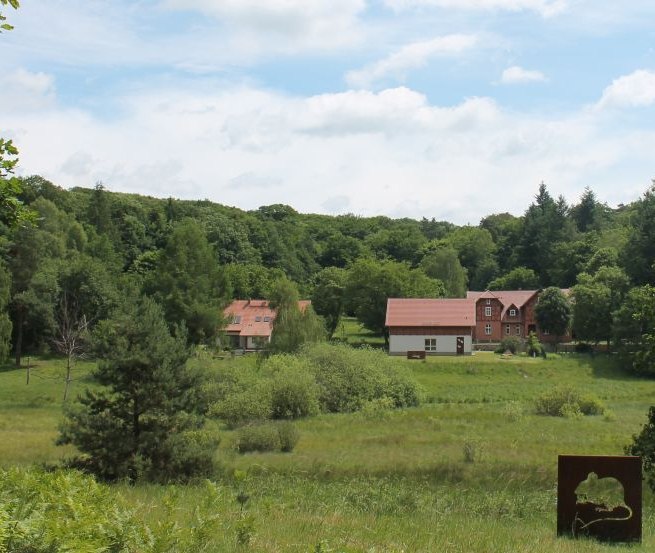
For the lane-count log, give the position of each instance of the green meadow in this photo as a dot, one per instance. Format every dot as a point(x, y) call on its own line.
point(472, 470)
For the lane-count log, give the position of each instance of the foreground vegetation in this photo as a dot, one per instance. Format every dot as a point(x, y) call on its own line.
point(472, 469)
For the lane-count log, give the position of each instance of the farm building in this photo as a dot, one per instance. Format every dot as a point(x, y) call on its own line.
point(450, 326)
point(435, 326)
point(250, 323)
point(506, 313)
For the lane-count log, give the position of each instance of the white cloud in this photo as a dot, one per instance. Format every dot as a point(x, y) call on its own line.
point(25, 90)
point(297, 23)
point(516, 74)
point(409, 57)
point(391, 152)
point(634, 90)
point(546, 8)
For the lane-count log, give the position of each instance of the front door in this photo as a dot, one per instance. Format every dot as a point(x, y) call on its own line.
point(460, 345)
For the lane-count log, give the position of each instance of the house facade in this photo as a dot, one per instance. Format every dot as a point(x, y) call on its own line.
point(435, 326)
point(451, 326)
point(508, 313)
point(250, 323)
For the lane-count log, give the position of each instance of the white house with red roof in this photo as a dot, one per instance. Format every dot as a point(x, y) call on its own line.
point(435, 326)
point(250, 323)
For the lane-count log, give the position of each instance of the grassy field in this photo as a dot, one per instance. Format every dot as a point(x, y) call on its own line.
point(472, 470)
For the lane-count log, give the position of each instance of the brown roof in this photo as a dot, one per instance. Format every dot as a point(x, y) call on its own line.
point(430, 312)
point(252, 317)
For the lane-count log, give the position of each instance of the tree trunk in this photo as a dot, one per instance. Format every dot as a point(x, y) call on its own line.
point(68, 376)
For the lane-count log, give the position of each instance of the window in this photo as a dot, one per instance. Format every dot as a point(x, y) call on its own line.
point(487, 311)
point(546, 332)
point(236, 319)
point(518, 330)
point(430, 344)
point(487, 329)
point(267, 319)
point(512, 312)
point(258, 319)
point(488, 302)
point(508, 329)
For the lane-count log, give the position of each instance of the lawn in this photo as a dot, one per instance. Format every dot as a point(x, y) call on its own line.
point(473, 469)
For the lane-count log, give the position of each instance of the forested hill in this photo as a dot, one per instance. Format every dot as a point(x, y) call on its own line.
point(193, 256)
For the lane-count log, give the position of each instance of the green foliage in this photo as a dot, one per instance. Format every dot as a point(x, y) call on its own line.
point(188, 282)
point(294, 392)
point(443, 264)
point(553, 312)
point(328, 296)
point(288, 435)
point(638, 256)
point(643, 445)
point(257, 437)
point(43, 512)
point(348, 378)
point(132, 428)
point(292, 326)
point(519, 278)
point(242, 404)
point(370, 283)
point(567, 402)
point(511, 344)
point(634, 329)
point(6, 26)
point(532, 346)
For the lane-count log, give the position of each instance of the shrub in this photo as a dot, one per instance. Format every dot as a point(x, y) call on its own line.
point(643, 444)
point(533, 347)
point(192, 453)
point(348, 378)
point(511, 344)
point(257, 437)
point(294, 392)
point(514, 411)
point(288, 435)
point(566, 402)
point(378, 409)
point(251, 404)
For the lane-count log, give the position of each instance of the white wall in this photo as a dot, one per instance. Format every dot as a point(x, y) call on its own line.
point(401, 344)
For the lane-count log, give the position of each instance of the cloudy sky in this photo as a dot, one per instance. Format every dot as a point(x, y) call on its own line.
point(452, 109)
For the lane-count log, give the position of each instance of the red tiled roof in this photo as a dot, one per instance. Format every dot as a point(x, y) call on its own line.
point(251, 315)
point(430, 312)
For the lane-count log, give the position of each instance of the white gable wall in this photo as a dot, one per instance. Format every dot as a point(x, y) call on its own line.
point(401, 344)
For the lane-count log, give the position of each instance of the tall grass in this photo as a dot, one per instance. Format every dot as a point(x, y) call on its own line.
point(388, 480)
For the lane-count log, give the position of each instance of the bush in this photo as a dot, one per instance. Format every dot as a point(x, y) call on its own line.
point(643, 445)
point(511, 344)
point(294, 392)
point(566, 402)
point(288, 435)
point(257, 437)
point(192, 453)
point(348, 378)
point(251, 404)
point(533, 347)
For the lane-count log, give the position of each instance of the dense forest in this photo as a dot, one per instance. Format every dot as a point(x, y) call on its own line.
point(91, 249)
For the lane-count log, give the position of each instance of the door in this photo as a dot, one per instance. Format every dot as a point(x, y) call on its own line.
point(460, 345)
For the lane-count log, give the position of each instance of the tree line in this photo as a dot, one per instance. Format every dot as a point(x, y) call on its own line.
point(86, 250)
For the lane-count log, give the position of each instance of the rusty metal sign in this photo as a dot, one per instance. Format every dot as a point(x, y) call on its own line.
point(599, 497)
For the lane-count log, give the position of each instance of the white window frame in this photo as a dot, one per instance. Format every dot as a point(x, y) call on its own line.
point(431, 344)
point(512, 312)
point(488, 329)
point(488, 302)
point(518, 330)
point(487, 311)
point(546, 332)
point(508, 330)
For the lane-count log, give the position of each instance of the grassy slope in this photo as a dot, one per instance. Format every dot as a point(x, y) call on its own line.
point(393, 481)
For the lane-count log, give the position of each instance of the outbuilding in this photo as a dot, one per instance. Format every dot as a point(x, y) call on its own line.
point(433, 326)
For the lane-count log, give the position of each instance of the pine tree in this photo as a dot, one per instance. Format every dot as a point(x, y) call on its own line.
point(146, 422)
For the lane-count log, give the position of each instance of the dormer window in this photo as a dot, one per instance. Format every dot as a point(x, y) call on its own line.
point(488, 302)
point(267, 319)
point(487, 311)
point(512, 312)
point(236, 319)
point(258, 319)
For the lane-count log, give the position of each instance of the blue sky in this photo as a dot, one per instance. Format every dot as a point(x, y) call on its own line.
point(452, 109)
